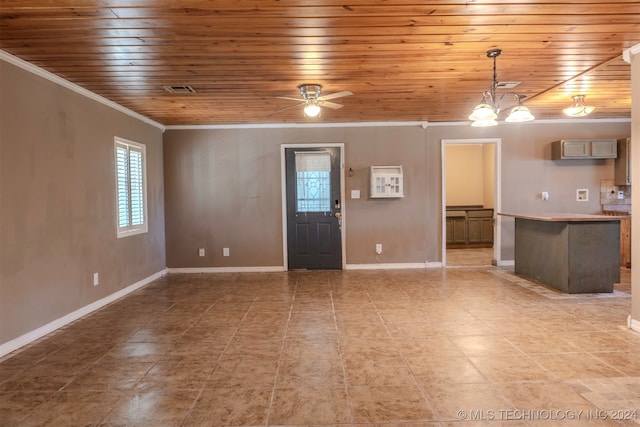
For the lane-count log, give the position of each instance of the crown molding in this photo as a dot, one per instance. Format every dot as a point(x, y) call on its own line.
point(5, 56)
point(424, 125)
point(629, 54)
point(34, 69)
point(295, 125)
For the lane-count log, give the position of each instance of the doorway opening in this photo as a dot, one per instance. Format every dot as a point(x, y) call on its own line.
point(312, 206)
point(470, 202)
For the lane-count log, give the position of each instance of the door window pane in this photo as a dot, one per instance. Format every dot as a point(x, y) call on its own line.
point(313, 182)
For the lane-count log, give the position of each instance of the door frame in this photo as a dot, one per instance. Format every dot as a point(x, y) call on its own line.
point(497, 189)
point(283, 179)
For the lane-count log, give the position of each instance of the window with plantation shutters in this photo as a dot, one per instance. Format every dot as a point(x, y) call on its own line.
point(131, 191)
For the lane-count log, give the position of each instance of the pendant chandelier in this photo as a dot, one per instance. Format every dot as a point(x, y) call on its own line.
point(486, 113)
point(578, 108)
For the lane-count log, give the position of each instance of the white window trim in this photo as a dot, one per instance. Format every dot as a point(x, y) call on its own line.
point(130, 230)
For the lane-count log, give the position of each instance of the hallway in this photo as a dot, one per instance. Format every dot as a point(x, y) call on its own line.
point(384, 348)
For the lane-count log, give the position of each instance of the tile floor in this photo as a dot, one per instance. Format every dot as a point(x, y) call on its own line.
point(469, 257)
point(353, 348)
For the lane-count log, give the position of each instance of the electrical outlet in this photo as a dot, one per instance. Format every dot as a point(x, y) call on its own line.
point(225, 251)
point(201, 252)
point(96, 279)
point(378, 248)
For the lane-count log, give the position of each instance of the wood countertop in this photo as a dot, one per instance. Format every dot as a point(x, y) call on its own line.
point(564, 217)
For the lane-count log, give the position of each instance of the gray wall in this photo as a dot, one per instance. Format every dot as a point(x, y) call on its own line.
point(57, 209)
point(222, 187)
point(527, 169)
point(210, 174)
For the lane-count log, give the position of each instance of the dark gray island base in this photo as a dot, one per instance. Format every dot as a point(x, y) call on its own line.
point(573, 253)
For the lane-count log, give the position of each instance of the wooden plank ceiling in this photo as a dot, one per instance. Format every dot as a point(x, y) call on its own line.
point(403, 60)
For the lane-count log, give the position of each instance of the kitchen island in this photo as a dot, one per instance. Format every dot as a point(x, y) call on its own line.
point(573, 253)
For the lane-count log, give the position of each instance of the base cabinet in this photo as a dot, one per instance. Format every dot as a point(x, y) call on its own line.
point(575, 257)
point(625, 243)
point(625, 238)
point(469, 226)
point(457, 230)
point(480, 230)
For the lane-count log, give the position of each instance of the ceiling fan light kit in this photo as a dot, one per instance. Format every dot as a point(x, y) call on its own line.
point(578, 108)
point(486, 113)
point(311, 109)
point(312, 100)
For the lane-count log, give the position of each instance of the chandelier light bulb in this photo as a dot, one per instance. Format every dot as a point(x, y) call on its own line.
point(484, 123)
point(578, 108)
point(483, 111)
point(519, 113)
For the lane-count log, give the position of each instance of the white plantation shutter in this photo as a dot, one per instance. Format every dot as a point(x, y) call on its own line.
point(136, 183)
point(122, 175)
point(130, 187)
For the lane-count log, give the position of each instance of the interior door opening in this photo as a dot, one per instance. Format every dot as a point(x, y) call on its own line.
point(470, 202)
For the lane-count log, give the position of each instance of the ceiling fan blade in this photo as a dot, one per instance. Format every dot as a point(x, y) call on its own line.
point(290, 106)
point(286, 97)
point(335, 95)
point(331, 105)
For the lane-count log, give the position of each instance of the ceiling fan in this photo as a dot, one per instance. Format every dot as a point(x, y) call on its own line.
point(312, 100)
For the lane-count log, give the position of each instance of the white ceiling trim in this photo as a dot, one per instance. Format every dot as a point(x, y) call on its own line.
point(27, 66)
point(628, 54)
point(378, 124)
point(5, 56)
point(295, 125)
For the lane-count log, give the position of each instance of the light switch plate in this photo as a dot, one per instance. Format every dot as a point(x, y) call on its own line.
point(355, 194)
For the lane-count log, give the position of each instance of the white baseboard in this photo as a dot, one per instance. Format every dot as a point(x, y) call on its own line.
point(275, 269)
point(634, 324)
point(29, 337)
point(506, 263)
point(263, 269)
point(387, 266)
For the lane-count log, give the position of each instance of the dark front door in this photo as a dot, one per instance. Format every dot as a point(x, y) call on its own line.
point(314, 239)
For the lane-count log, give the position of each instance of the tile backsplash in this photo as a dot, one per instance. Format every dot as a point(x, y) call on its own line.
point(609, 194)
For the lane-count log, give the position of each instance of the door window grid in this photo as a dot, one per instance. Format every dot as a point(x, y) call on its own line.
point(313, 182)
point(313, 191)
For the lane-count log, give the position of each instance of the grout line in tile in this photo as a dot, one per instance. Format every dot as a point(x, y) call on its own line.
point(405, 361)
point(215, 366)
point(280, 359)
point(342, 365)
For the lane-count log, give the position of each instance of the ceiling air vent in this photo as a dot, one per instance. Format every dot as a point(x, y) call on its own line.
point(507, 85)
point(180, 89)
